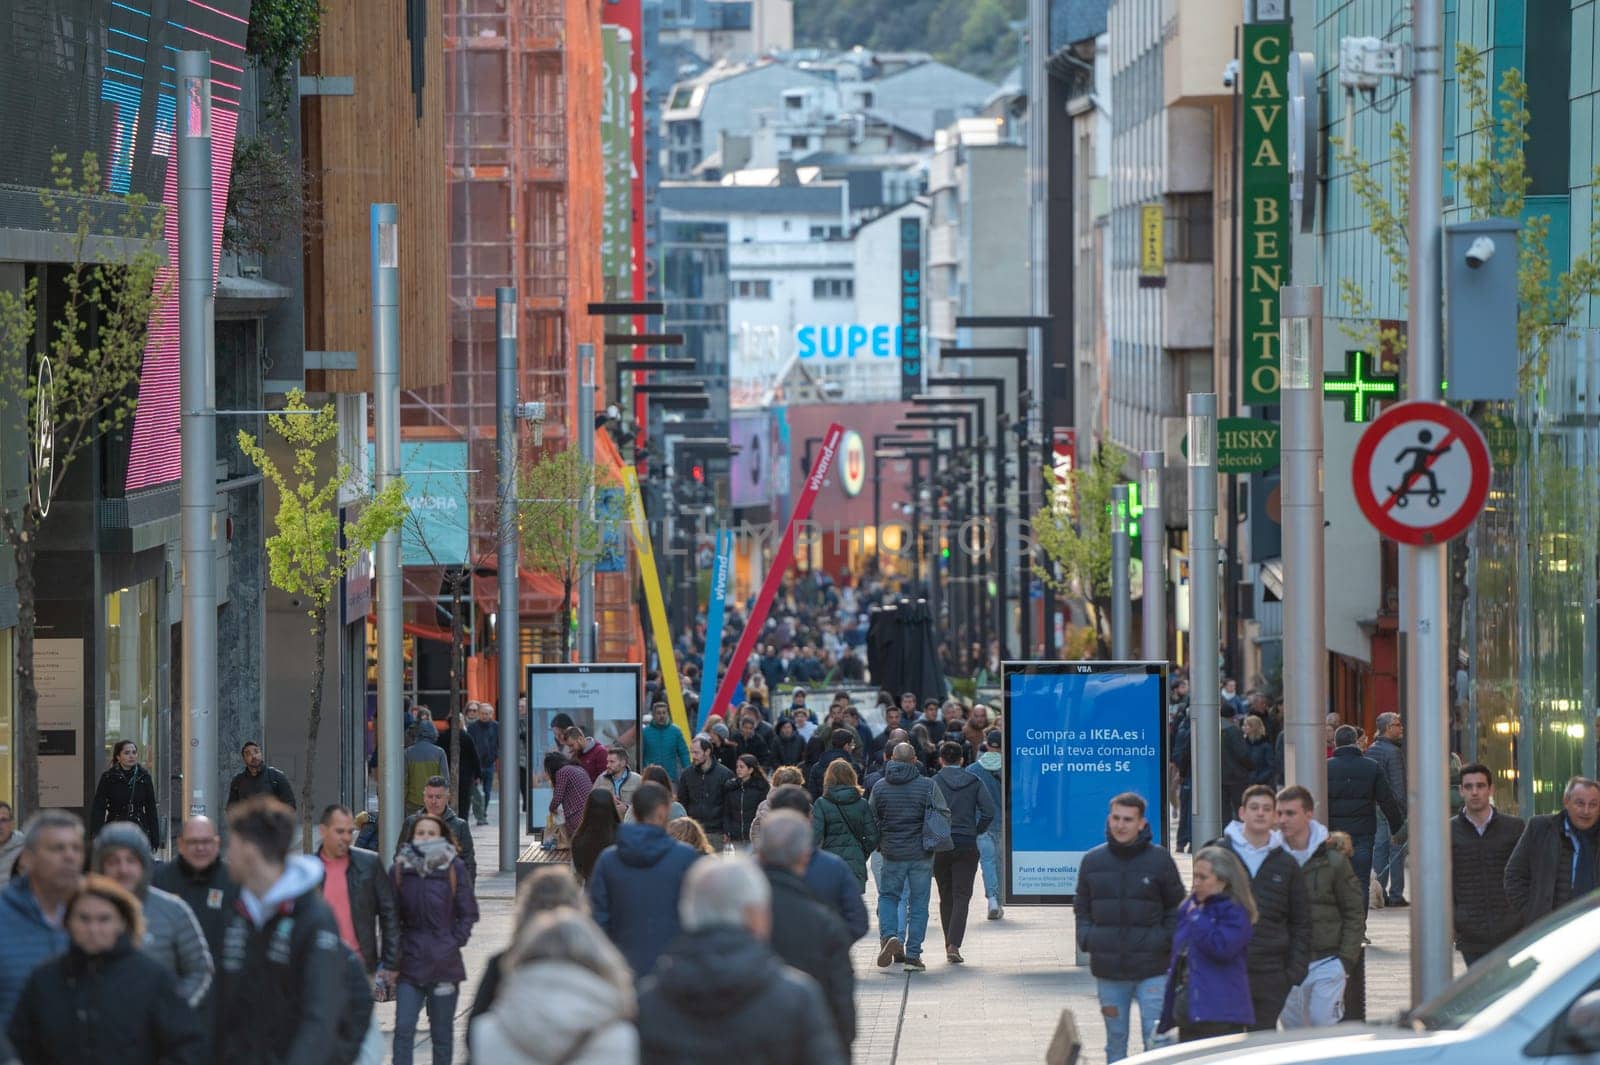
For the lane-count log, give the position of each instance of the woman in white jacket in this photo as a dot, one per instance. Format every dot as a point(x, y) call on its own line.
point(566, 998)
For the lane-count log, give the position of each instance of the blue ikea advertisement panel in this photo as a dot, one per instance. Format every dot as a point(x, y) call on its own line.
point(1077, 733)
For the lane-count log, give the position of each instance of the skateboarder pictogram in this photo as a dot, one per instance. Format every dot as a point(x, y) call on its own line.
point(1420, 448)
point(1422, 457)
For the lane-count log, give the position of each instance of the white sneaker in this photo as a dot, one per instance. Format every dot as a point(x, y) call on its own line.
point(996, 911)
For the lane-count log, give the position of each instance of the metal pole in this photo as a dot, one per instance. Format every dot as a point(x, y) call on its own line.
point(508, 619)
point(198, 487)
point(1002, 616)
point(1428, 672)
point(1305, 643)
point(1121, 593)
point(385, 219)
point(1153, 556)
point(586, 633)
point(1205, 691)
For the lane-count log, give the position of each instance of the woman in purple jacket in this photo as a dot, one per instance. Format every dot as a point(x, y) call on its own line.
point(433, 892)
point(1208, 952)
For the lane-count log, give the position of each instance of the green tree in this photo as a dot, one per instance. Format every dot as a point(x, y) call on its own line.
point(560, 534)
point(304, 555)
point(90, 326)
point(1079, 542)
point(1492, 182)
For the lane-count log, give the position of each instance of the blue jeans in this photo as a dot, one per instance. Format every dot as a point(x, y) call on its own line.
point(875, 863)
point(1185, 801)
point(409, 1000)
point(1390, 862)
point(1361, 863)
point(988, 847)
point(913, 881)
point(1117, 998)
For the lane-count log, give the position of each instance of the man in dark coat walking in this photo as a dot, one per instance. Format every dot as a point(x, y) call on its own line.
point(719, 993)
point(1357, 789)
point(1481, 842)
point(1280, 943)
point(700, 787)
point(634, 888)
point(1126, 907)
point(199, 877)
point(1558, 857)
point(258, 778)
point(805, 933)
point(1236, 762)
point(283, 970)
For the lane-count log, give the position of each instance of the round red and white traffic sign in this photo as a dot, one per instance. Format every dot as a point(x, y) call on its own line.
point(1421, 472)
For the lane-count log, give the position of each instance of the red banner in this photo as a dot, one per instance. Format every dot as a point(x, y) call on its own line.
point(780, 566)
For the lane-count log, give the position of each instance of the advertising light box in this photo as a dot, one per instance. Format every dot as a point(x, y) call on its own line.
point(1077, 733)
point(605, 700)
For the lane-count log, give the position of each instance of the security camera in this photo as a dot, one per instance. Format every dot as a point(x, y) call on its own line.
point(1479, 252)
point(1230, 74)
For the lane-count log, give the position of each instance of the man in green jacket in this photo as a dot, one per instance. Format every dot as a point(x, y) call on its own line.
point(1338, 916)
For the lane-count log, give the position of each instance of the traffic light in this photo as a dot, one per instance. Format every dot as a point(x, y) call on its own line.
point(698, 473)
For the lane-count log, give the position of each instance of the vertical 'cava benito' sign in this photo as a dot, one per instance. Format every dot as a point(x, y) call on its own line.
point(1264, 243)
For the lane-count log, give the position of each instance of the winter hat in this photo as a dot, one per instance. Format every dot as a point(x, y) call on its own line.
point(124, 835)
point(720, 729)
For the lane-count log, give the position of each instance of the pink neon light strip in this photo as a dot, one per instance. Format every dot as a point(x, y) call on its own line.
point(219, 40)
point(156, 454)
point(224, 14)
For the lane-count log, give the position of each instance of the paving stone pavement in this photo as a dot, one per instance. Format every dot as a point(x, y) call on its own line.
point(1003, 1004)
point(1000, 1007)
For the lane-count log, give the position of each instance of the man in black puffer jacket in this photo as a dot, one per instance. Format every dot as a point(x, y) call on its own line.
point(1357, 788)
point(1482, 840)
point(1280, 944)
point(1126, 906)
point(700, 787)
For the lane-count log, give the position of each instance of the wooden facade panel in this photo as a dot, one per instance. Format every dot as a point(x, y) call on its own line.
point(373, 148)
point(585, 77)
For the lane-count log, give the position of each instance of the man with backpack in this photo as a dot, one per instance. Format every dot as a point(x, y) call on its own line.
point(972, 811)
point(913, 824)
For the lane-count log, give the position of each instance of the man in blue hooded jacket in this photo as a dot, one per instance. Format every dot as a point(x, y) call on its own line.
point(33, 906)
point(634, 889)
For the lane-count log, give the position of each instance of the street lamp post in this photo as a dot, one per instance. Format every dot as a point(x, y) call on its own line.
point(1204, 690)
point(1305, 657)
point(998, 428)
point(385, 238)
point(1121, 595)
point(198, 487)
point(1153, 553)
point(1428, 669)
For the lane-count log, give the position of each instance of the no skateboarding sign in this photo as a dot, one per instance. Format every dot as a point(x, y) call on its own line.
point(1421, 472)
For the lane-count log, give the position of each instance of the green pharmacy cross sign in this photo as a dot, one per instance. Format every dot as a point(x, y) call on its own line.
point(1359, 386)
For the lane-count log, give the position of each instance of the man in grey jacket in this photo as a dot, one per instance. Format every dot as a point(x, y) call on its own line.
point(172, 936)
point(900, 802)
point(972, 811)
point(1388, 857)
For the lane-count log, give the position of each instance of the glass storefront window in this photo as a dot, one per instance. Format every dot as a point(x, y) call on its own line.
point(131, 661)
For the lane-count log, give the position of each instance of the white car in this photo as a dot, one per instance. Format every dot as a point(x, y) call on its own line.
point(1534, 999)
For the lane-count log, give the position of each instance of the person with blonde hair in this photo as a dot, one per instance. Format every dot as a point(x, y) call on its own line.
point(784, 774)
point(566, 995)
point(688, 830)
point(545, 889)
point(1208, 983)
point(138, 1015)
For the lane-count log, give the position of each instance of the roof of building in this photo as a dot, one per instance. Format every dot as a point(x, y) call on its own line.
point(927, 97)
point(688, 197)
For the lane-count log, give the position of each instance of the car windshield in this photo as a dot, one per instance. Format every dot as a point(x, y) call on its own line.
point(1549, 947)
